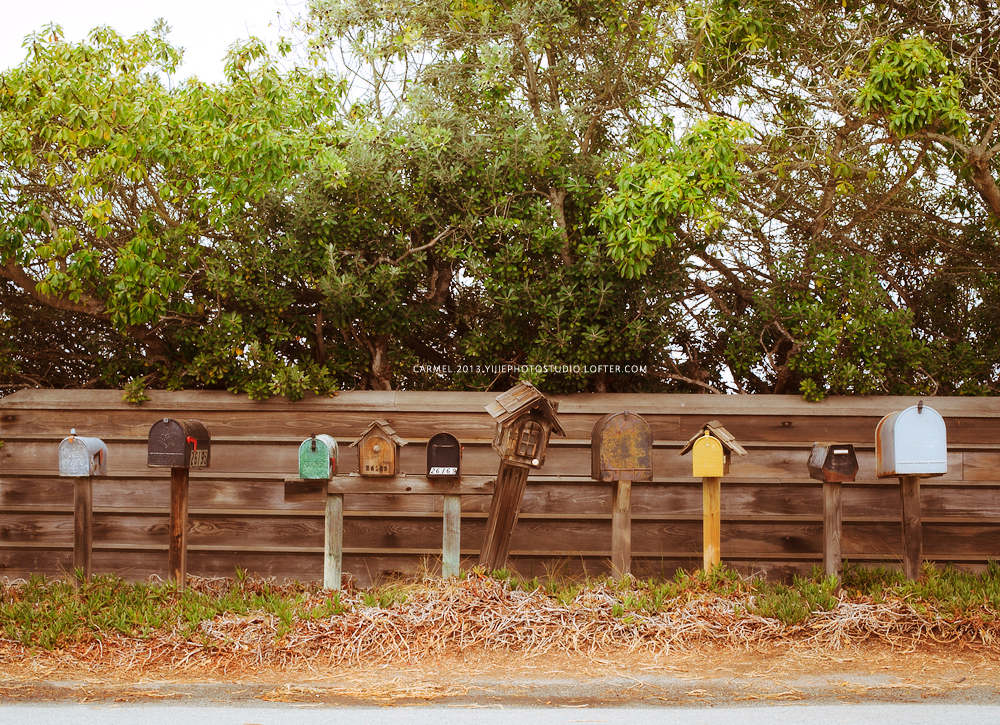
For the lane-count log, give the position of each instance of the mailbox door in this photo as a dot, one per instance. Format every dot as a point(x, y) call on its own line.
point(622, 449)
point(444, 456)
point(80, 456)
point(315, 459)
point(708, 458)
point(377, 456)
point(166, 445)
point(911, 442)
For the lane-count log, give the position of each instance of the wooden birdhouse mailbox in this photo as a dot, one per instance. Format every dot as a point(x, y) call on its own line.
point(621, 448)
point(179, 444)
point(81, 456)
point(833, 462)
point(711, 448)
point(444, 456)
point(911, 442)
point(378, 450)
point(525, 421)
point(318, 458)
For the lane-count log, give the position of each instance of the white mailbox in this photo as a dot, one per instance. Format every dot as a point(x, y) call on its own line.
point(911, 442)
point(80, 456)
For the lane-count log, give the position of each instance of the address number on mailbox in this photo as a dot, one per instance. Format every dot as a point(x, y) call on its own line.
point(442, 471)
point(199, 459)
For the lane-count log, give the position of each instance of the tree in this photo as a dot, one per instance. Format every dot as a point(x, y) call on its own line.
point(139, 224)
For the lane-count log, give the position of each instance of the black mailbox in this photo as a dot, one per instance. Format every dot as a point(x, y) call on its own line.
point(179, 444)
point(833, 462)
point(444, 456)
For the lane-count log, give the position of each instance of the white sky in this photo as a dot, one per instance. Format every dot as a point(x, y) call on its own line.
point(204, 28)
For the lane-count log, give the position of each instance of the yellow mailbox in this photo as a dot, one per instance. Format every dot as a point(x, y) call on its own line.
point(708, 458)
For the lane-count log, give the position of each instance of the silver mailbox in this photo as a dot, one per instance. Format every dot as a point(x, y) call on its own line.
point(82, 456)
point(911, 442)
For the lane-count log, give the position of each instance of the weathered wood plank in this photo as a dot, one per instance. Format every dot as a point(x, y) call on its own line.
point(83, 525)
point(832, 525)
point(451, 545)
point(621, 529)
point(333, 553)
point(177, 541)
point(909, 498)
point(711, 522)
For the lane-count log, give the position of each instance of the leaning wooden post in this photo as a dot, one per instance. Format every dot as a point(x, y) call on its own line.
point(82, 458)
point(179, 445)
point(911, 444)
point(711, 449)
point(525, 420)
point(621, 448)
point(832, 463)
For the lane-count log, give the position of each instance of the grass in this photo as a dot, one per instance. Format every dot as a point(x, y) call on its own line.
point(45, 614)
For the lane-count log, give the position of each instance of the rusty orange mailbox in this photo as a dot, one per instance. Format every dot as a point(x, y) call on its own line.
point(621, 448)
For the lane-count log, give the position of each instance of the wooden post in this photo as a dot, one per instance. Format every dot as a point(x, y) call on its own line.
point(177, 546)
point(333, 554)
point(83, 526)
point(502, 519)
point(832, 525)
point(621, 528)
point(451, 545)
point(712, 526)
point(909, 499)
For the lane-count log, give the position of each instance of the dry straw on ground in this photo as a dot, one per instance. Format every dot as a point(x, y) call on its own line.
point(480, 613)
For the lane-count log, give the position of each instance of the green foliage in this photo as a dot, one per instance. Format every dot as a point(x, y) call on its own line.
point(910, 83)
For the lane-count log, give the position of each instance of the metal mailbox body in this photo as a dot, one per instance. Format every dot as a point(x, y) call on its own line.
point(444, 456)
point(318, 457)
point(179, 444)
point(833, 462)
point(911, 442)
point(82, 456)
point(708, 457)
point(621, 447)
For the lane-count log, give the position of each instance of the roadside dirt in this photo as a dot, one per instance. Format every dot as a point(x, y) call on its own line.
point(709, 676)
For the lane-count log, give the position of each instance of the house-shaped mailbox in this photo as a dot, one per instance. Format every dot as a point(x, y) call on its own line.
point(444, 456)
point(911, 442)
point(525, 421)
point(318, 457)
point(833, 462)
point(82, 456)
point(621, 448)
point(378, 450)
point(179, 444)
point(711, 448)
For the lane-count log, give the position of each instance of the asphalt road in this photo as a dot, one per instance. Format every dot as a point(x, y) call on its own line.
point(795, 714)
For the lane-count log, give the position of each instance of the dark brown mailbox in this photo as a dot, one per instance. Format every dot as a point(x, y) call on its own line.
point(525, 421)
point(621, 448)
point(378, 450)
point(833, 462)
point(444, 456)
point(179, 444)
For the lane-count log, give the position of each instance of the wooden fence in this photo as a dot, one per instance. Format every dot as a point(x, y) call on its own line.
point(241, 517)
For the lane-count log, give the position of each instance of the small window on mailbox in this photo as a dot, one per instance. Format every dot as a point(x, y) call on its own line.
point(531, 436)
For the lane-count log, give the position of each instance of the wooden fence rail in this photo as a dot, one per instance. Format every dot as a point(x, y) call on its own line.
point(239, 515)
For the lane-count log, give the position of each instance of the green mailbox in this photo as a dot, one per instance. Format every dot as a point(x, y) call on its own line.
point(318, 457)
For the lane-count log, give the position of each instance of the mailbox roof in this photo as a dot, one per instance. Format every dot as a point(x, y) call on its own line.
point(521, 398)
point(382, 425)
point(725, 437)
